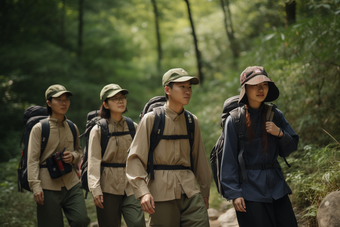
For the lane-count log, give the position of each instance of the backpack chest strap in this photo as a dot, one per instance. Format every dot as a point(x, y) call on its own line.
point(274, 165)
point(157, 135)
point(173, 137)
point(170, 167)
point(118, 133)
point(113, 165)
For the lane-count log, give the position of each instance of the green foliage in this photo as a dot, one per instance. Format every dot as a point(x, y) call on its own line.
point(16, 209)
point(315, 172)
point(39, 48)
point(302, 61)
point(19, 209)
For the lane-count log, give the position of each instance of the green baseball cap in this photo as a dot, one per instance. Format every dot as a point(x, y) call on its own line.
point(178, 75)
point(111, 90)
point(56, 90)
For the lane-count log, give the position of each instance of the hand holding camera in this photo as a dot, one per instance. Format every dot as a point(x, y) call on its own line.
point(59, 164)
point(67, 157)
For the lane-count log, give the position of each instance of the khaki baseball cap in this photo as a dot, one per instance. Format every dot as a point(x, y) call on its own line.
point(56, 90)
point(111, 90)
point(178, 75)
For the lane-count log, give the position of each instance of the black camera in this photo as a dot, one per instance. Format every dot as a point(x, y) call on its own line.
point(56, 166)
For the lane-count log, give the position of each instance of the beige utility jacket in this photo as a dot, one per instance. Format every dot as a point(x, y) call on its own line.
point(60, 137)
point(112, 180)
point(168, 184)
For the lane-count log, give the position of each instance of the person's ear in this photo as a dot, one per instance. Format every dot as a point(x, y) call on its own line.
point(167, 90)
point(105, 105)
point(48, 103)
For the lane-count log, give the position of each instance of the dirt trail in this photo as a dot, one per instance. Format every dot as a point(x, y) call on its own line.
point(213, 223)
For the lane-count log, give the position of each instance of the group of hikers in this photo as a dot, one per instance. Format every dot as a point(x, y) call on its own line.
point(170, 180)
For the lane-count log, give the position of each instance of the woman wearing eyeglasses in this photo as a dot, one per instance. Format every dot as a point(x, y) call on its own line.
point(111, 191)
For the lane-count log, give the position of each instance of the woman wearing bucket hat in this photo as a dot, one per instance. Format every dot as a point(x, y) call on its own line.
point(261, 200)
point(111, 191)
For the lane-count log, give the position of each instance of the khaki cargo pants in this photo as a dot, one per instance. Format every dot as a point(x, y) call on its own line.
point(184, 212)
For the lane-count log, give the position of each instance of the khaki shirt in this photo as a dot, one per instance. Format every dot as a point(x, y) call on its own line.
point(60, 137)
point(168, 184)
point(112, 180)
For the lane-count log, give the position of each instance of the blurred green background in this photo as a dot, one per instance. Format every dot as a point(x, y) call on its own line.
point(85, 45)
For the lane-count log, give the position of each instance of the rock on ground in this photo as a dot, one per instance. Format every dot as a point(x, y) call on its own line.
point(329, 210)
point(213, 214)
point(228, 219)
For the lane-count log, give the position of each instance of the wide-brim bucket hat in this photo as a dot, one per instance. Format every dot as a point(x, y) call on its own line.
point(253, 75)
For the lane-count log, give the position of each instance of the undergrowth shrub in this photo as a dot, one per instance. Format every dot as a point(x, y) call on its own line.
point(19, 209)
point(315, 172)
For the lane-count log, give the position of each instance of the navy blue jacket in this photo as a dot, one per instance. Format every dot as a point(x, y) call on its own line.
point(263, 185)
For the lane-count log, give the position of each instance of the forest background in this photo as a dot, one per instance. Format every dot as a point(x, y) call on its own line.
point(85, 45)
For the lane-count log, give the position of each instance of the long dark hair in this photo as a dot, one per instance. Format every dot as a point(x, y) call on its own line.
point(104, 113)
point(250, 130)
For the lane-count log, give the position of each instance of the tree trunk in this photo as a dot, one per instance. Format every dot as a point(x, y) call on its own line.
point(158, 35)
point(62, 36)
point(80, 29)
point(290, 12)
point(230, 32)
point(198, 54)
point(4, 9)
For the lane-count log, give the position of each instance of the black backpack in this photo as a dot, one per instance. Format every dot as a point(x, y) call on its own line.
point(33, 115)
point(238, 114)
point(155, 104)
point(93, 119)
point(157, 101)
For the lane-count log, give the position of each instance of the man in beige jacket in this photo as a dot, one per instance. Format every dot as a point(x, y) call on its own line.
point(173, 197)
point(63, 193)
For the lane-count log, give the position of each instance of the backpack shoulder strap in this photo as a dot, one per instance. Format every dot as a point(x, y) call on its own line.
point(105, 135)
point(45, 134)
point(131, 126)
point(270, 111)
point(74, 132)
point(157, 130)
point(191, 133)
point(239, 120)
point(270, 115)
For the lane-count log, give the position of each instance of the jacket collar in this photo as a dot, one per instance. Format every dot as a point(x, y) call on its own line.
point(113, 121)
point(256, 111)
point(172, 114)
point(56, 121)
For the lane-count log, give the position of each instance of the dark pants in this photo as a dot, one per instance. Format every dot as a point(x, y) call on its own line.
point(55, 202)
point(184, 212)
point(277, 214)
point(115, 206)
